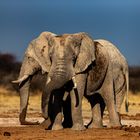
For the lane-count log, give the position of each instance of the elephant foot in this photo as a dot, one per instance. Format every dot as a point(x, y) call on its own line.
point(115, 125)
point(95, 125)
point(57, 127)
point(67, 125)
point(78, 127)
point(29, 123)
point(46, 123)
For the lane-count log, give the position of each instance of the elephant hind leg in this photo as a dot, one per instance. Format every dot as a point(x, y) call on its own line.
point(97, 107)
point(120, 98)
point(108, 97)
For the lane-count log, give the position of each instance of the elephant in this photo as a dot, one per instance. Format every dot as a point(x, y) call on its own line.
point(72, 62)
point(51, 54)
point(106, 80)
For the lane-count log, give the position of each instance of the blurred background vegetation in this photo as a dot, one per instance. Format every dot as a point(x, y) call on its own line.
point(10, 67)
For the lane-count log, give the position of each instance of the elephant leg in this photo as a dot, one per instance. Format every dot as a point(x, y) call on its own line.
point(119, 100)
point(77, 110)
point(28, 69)
point(67, 123)
point(45, 102)
point(97, 107)
point(108, 96)
point(24, 97)
point(57, 111)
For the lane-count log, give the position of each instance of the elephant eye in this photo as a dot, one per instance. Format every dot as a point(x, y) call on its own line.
point(77, 43)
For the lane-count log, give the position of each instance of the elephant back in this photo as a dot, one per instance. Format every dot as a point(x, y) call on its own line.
point(98, 69)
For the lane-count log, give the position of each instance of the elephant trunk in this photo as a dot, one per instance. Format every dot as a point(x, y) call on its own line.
point(60, 74)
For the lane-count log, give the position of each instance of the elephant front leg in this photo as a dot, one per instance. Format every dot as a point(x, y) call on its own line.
point(77, 110)
point(45, 107)
point(24, 97)
point(56, 110)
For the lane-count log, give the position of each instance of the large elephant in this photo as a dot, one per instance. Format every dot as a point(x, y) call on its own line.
point(103, 79)
point(50, 54)
point(68, 59)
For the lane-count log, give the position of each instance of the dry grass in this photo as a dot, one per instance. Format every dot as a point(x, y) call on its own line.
point(10, 102)
point(134, 104)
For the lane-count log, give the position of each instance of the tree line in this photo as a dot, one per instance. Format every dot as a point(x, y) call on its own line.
point(10, 67)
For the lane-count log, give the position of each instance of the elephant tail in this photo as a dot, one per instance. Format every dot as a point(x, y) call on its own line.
point(127, 90)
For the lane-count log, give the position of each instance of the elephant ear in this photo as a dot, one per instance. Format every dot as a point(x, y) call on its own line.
point(87, 53)
point(39, 50)
point(97, 75)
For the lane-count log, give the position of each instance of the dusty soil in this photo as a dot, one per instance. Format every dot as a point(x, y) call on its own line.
point(39, 133)
point(10, 129)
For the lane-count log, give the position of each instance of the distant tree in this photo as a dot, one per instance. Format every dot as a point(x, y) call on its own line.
point(134, 78)
point(10, 67)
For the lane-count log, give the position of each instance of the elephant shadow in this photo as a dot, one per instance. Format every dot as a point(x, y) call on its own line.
point(57, 104)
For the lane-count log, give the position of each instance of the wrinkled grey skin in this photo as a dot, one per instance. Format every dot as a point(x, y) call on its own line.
point(45, 53)
point(60, 59)
point(104, 80)
point(65, 58)
point(120, 85)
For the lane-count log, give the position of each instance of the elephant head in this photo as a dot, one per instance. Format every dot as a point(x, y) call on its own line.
point(84, 51)
point(60, 56)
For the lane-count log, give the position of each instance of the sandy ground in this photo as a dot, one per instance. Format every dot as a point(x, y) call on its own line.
point(10, 129)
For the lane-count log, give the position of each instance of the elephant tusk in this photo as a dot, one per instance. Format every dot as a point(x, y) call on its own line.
point(48, 80)
point(65, 96)
point(74, 82)
point(21, 79)
point(75, 91)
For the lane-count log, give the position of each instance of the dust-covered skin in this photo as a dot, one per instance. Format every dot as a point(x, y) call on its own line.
point(120, 82)
point(68, 57)
point(52, 55)
point(59, 57)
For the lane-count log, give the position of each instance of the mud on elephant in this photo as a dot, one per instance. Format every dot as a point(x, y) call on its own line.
point(103, 81)
point(69, 57)
point(120, 84)
point(52, 55)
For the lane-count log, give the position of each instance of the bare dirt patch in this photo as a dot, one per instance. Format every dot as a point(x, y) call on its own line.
point(39, 133)
point(10, 129)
